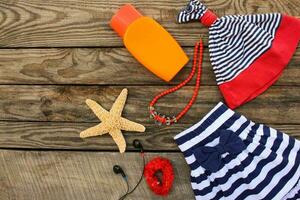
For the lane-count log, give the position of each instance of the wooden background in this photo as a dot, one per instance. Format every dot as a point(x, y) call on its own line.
point(56, 53)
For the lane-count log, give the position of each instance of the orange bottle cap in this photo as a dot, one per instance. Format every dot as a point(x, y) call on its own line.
point(123, 18)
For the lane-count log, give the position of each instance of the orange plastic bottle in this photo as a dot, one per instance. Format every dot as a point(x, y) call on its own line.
point(149, 42)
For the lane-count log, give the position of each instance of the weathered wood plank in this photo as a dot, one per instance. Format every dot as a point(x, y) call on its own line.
point(82, 175)
point(67, 103)
point(52, 135)
point(53, 23)
point(100, 66)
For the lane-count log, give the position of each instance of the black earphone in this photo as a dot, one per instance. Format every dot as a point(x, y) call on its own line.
point(137, 144)
point(118, 169)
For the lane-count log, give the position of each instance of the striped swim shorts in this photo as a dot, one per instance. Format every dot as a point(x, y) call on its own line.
point(234, 158)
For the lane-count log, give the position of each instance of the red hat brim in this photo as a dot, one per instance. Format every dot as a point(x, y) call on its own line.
point(266, 69)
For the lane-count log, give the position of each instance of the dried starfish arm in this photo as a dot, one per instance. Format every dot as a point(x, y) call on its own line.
point(100, 112)
point(128, 125)
point(119, 104)
point(112, 122)
point(100, 129)
point(119, 139)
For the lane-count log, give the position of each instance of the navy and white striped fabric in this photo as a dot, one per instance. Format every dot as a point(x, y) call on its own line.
point(265, 165)
point(193, 11)
point(234, 41)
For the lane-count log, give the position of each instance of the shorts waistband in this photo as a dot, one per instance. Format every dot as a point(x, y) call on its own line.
point(216, 118)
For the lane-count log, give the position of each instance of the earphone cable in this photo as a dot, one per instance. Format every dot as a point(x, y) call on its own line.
point(141, 178)
point(123, 197)
point(138, 183)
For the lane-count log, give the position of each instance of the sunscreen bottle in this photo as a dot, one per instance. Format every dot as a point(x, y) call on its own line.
point(149, 42)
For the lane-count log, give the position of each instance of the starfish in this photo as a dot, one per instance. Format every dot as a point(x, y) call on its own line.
point(112, 122)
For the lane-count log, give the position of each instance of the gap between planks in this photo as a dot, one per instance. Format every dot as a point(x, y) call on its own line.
point(67, 103)
point(85, 23)
point(108, 66)
point(65, 136)
point(81, 175)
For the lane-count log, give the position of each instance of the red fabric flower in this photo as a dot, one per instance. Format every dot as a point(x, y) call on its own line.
point(164, 166)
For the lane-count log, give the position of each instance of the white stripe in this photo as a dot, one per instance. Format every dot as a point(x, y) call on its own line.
point(253, 44)
point(262, 176)
point(272, 138)
point(238, 123)
point(276, 178)
point(233, 50)
point(250, 34)
point(199, 123)
point(208, 131)
point(191, 159)
point(251, 57)
point(234, 127)
point(287, 188)
point(250, 168)
point(232, 163)
point(293, 192)
point(237, 161)
point(193, 11)
point(235, 177)
point(213, 143)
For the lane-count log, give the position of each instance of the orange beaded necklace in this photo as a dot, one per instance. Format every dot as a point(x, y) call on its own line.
point(162, 119)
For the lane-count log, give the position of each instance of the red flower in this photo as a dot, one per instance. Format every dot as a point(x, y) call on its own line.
point(164, 166)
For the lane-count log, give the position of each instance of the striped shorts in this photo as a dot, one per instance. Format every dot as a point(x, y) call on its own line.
point(234, 158)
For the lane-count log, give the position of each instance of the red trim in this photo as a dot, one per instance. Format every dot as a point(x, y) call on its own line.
point(208, 18)
point(265, 70)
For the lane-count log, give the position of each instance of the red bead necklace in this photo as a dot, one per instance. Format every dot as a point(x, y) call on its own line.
point(162, 119)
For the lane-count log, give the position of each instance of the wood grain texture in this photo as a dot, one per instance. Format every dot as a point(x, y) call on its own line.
point(67, 103)
point(55, 135)
point(57, 23)
point(101, 66)
point(81, 176)
point(43, 92)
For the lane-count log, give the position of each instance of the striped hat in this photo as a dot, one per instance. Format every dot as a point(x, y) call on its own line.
point(248, 52)
point(234, 158)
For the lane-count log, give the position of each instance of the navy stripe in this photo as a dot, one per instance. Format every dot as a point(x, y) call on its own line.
point(202, 126)
point(195, 165)
point(250, 177)
point(265, 136)
point(269, 175)
point(246, 180)
point(232, 50)
point(212, 137)
point(252, 132)
point(193, 11)
point(224, 179)
point(252, 43)
point(286, 179)
point(235, 170)
point(247, 56)
point(277, 142)
point(297, 196)
point(233, 53)
point(281, 148)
